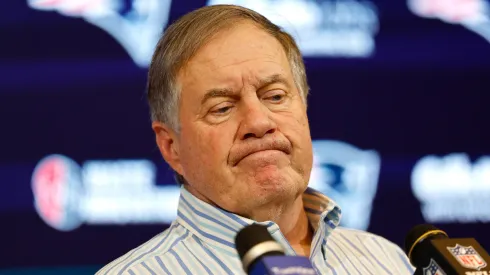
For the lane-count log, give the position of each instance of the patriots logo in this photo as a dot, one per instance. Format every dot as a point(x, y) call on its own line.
point(467, 256)
point(349, 176)
point(472, 14)
point(137, 25)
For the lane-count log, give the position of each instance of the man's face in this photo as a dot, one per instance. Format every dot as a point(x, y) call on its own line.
point(244, 143)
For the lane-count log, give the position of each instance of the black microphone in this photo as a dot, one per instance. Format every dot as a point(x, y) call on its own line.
point(432, 252)
point(261, 254)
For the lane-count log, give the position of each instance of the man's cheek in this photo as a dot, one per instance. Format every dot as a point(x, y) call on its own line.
point(212, 142)
point(219, 145)
point(294, 129)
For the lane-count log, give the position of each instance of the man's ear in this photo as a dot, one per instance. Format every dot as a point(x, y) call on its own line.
point(168, 143)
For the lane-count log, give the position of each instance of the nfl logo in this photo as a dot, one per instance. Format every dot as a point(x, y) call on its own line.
point(467, 257)
point(433, 269)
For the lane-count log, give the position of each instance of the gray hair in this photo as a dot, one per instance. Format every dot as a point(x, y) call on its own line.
point(186, 36)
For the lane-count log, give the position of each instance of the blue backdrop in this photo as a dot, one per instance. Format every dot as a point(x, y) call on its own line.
point(404, 84)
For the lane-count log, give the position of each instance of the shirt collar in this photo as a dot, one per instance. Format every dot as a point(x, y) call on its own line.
point(219, 227)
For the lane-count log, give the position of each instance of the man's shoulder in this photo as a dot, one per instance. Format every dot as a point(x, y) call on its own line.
point(355, 235)
point(152, 252)
point(375, 249)
point(366, 239)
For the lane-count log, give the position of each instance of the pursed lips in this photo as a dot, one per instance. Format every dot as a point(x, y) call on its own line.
point(281, 146)
point(260, 151)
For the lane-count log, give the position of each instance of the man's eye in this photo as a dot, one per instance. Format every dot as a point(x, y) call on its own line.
point(275, 98)
point(222, 110)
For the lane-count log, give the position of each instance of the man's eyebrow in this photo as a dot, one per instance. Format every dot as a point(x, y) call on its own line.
point(272, 79)
point(263, 82)
point(217, 92)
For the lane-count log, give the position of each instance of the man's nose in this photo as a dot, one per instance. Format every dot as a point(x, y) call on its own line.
point(256, 121)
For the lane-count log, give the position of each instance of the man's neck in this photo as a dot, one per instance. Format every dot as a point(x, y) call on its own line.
point(291, 219)
point(296, 228)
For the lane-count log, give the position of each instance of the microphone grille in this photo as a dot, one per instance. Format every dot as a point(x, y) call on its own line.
point(415, 233)
point(250, 236)
point(416, 236)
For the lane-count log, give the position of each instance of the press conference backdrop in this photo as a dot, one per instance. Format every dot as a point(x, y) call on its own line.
point(398, 111)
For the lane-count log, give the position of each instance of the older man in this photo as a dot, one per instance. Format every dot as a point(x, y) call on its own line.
point(227, 93)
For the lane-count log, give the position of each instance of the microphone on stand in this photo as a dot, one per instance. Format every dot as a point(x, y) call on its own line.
point(261, 254)
point(432, 252)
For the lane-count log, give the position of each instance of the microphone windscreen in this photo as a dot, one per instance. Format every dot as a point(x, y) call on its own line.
point(250, 236)
point(417, 239)
point(415, 233)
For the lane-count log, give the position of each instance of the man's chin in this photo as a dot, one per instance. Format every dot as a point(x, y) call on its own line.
point(268, 201)
point(273, 187)
point(269, 176)
point(270, 182)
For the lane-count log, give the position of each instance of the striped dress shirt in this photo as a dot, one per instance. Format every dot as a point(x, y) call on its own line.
point(201, 241)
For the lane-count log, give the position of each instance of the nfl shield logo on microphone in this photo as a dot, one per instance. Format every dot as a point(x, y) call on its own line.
point(467, 256)
point(433, 269)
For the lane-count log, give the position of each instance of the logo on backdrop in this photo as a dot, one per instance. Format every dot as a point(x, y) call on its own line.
point(331, 28)
point(57, 191)
point(66, 195)
point(467, 256)
point(472, 14)
point(349, 176)
point(136, 25)
point(452, 188)
point(336, 28)
point(433, 269)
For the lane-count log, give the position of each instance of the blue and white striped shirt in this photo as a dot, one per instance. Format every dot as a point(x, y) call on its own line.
point(201, 241)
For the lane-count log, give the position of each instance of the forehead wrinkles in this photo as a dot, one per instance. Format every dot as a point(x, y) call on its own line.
point(224, 76)
point(234, 57)
point(246, 38)
point(245, 45)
